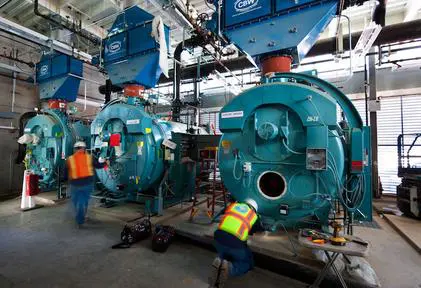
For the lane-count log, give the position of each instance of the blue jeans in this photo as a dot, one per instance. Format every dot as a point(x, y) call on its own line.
point(80, 199)
point(240, 258)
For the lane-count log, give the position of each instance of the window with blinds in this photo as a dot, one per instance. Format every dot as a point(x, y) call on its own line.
point(396, 113)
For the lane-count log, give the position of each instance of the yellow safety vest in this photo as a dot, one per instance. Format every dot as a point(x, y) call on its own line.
point(80, 165)
point(238, 220)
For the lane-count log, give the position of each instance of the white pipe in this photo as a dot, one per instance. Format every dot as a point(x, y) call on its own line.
point(84, 108)
point(11, 128)
point(85, 79)
point(10, 172)
point(14, 92)
point(15, 69)
point(89, 103)
point(351, 72)
point(219, 19)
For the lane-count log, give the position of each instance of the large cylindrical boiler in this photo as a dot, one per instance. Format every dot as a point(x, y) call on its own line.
point(52, 135)
point(283, 149)
point(131, 139)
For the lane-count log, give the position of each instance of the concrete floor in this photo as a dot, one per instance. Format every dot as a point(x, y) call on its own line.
point(397, 264)
point(43, 248)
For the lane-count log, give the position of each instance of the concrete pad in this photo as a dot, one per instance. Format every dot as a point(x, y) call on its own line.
point(408, 228)
point(129, 212)
point(394, 260)
point(281, 247)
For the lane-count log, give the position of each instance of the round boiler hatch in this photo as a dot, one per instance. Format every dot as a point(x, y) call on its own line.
point(271, 185)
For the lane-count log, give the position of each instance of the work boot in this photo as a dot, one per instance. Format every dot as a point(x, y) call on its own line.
point(220, 273)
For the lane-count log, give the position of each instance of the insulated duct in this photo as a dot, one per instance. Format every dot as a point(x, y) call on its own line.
point(84, 34)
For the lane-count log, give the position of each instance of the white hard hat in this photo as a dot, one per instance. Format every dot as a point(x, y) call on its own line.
point(252, 203)
point(80, 144)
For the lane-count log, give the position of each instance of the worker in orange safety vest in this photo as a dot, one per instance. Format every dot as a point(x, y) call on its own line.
point(80, 168)
point(234, 256)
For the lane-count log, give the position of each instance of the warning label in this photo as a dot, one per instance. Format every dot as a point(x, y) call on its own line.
point(233, 114)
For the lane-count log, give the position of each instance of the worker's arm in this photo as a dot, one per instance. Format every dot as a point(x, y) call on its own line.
point(257, 227)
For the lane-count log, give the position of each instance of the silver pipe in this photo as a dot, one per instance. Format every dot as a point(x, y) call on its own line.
point(10, 173)
point(175, 76)
point(219, 19)
point(225, 67)
point(84, 109)
point(14, 92)
point(35, 72)
point(11, 128)
point(175, 60)
point(341, 6)
point(351, 72)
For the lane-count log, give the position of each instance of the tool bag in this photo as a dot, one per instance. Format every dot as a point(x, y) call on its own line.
point(162, 238)
point(134, 233)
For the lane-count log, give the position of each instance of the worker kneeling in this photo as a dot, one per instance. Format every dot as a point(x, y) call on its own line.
point(81, 179)
point(234, 256)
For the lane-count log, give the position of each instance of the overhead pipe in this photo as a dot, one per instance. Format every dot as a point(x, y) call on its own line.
point(390, 34)
point(379, 14)
point(88, 36)
point(5, 3)
point(30, 64)
point(14, 92)
point(31, 36)
point(11, 128)
point(176, 105)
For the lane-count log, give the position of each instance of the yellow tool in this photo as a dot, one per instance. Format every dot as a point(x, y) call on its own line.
point(336, 239)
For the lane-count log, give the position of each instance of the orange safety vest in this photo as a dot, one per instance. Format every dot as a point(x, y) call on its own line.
point(80, 165)
point(238, 220)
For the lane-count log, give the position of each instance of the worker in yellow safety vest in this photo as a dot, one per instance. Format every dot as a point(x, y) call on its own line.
point(80, 168)
point(234, 256)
